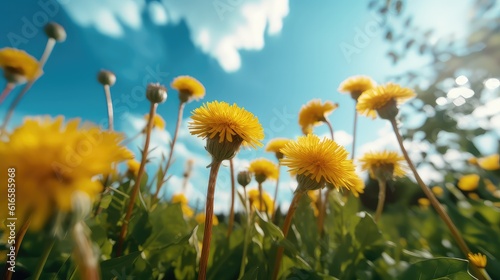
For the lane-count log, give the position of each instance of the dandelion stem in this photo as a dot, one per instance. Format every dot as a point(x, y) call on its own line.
point(382, 184)
point(209, 212)
point(276, 207)
point(83, 253)
point(286, 228)
point(354, 129)
point(109, 103)
point(322, 212)
point(233, 190)
point(43, 258)
point(8, 88)
point(262, 206)
point(45, 56)
point(160, 182)
point(19, 239)
point(137, 184)
point(435, 203)
point(330, 127)
point(245, 240)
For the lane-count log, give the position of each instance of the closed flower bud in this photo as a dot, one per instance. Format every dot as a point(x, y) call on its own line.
point(244, 178)
point(156, 93)
point(106, 77)
point(55, 31)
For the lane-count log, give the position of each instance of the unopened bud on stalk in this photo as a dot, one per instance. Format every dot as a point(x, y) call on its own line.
point(106, 77)
point(244, 178)
point(156, 93)
point(55, 31)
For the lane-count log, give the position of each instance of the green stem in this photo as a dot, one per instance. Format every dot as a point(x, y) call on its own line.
point(354, 129)
point(43, 258)
point(434, 202)
point(160, 181)
point(8, 88)
point(245, 240)
point(233, 190)
point(19, 239)
point(135, 189)
point(286, 228)
point(109, 103)
point(209, 213)
point(381, 198)
point(276, 205)
point(330, 127)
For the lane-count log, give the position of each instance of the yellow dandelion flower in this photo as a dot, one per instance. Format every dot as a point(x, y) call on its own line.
point(189, 88)
point(254, 198)
point(275, 145)
point(263, 169)
point(472, 160)
point(468, 182)
point(437, 190)
point(158, 121)
point(424, 202)
point(378, 98)
point(489, 185)
point(313, 195)
point(359, 187)
point(200, 219)
point(321, 161)
point(187, 211)
point(314, 113)
point(52, 161)
point(18, 65)
point(133, 166)
point(232, 126)
point(179, 198)
point(388, 164)
point(490, 163)
point(356, 85)
point(473, 196)
point(479, 260)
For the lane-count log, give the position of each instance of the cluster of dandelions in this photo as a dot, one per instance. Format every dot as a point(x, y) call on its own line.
point(62, 168)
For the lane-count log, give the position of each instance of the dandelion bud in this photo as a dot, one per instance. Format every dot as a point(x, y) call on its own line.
point(55, 31)
point(308, 184)
point(223, 150)
point(244, 178)
point(106, 78)
point(389, 111)
point(156, 93)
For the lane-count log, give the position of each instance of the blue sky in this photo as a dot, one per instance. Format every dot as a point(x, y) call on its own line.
point(269, 56)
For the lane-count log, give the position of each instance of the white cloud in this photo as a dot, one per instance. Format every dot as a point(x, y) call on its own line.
point(221, 28)
point(108, 16)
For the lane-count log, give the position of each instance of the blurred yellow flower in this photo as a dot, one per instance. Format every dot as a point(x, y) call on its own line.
point(490, 163)
point(263, 169)
point(52, 161)
point(356, 85)
point(189, 88)
point(187, 211)
point(19, 65)
point(479, 260)
point(133, 166)
point(472, 160)
point(200, 219)
point(227, 122)
point(275, 145)
point(473, 196)
point(313, 195)
point(424, 202)
point(378, 97)
point(179, 198)
point(254, 198)
point(468, 182)
point(489, 185)
point(387, 164)
point(320, 160)
point(314, 113)
point(158, 121)
point(437, 190)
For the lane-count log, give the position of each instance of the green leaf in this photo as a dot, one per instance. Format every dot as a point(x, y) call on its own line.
point(118, 266)
point(252, 274)
point(367, 232)
point(438, 268)
point(269, 228)
point(308, 274)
